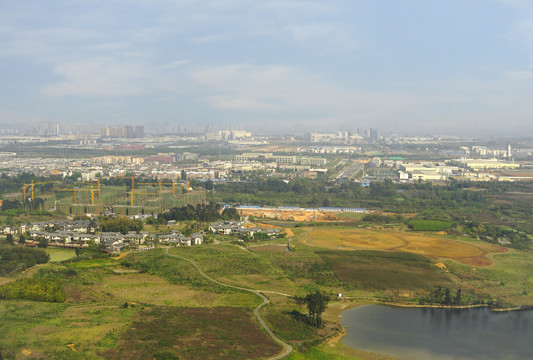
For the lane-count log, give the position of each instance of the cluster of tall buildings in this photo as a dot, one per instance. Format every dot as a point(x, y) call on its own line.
point(228, 135)
point(345, 137)
point(49, 128)
point(127, 131)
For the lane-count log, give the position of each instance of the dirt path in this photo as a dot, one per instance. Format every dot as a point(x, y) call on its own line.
point(287, 349)
point(289, 232)
point(29, 272)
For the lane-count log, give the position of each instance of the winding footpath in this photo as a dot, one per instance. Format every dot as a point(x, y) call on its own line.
point(287, 349)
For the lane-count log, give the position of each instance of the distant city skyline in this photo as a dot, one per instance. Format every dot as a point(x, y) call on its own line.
point(459, 67)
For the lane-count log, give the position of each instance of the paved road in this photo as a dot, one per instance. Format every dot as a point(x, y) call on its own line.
point(287, 349)
point(352, 169)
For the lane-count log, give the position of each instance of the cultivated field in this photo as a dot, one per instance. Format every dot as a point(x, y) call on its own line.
point(433, 247)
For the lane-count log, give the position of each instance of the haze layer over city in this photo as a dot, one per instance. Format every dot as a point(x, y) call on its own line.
point(232, 179)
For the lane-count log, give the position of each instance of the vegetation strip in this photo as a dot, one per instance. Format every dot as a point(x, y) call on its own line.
point(287, 347)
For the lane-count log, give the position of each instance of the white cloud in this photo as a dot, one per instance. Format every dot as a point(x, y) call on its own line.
point(97, 77)
point(520, 75)
point(336, 37)
point(287, 90)
point(176, 64)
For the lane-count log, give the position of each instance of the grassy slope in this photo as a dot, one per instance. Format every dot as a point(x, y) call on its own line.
point(94, 321)
point(44, 329)
point(58, 255)
point(510, 279)
point(384, 270)
point(194, 333)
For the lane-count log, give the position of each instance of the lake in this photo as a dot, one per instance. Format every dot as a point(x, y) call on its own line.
point(425, 333)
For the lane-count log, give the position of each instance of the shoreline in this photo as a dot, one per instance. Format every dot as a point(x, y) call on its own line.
point(459, 307)
point(340, 307)
point(344, 306)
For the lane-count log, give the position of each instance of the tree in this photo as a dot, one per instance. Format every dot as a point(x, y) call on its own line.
point(209, 185)
point(458, 299)
point(316, 305)
point(9, 239)
point(230, 213)
point(43, 243)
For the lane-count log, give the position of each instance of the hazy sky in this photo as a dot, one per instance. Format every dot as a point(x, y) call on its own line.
point(421, 66)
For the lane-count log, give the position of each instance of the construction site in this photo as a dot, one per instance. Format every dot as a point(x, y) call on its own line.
point(132, 198)
point(296, 213)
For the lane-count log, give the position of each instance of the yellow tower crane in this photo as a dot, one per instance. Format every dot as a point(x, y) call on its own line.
point(88, 182)
point(78, 190)
point(140, 193)
point(132, 185)
point(160, 184)
point(32, 185)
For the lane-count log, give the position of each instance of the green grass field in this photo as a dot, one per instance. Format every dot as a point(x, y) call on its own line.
point(58, 255)
point(194, 333)
point(59, 331)
point(96, 323)
point(382, 270)
point(509, 280)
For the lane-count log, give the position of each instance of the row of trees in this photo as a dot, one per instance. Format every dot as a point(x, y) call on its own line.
point(19, 258)
point(9, 184)
point(27, 204)
point(443, 296)
point(380, 194)
point(201, 212)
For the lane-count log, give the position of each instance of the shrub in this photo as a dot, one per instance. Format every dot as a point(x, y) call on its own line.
point(48, 290)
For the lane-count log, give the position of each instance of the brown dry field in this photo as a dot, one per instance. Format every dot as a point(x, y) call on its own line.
point(388, 240)
point(294, 215)
point(289, 232)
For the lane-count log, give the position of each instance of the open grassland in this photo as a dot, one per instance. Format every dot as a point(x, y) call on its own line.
point(157, 263)
point(95, 315)
point(295, 272)
point(194, 333)
point(123, 308)
point(85, 281)
point(434, 247)
point(60, 331)
point(149, 289)
point(509, 280)
point(337, 351)
point(58, 255)
point(282, 316)
point(369, 269)
point(238, 266)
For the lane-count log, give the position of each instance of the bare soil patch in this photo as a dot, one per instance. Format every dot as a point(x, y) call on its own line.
point(293, 215)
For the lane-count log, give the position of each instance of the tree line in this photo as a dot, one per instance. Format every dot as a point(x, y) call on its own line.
point(201, 212)
point(14, 258)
